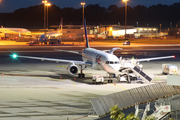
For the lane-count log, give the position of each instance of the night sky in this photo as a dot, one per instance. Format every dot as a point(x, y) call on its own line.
point(11, 5)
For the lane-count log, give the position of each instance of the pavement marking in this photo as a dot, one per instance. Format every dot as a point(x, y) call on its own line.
point(63, 66)
point(88, 74)
point(120, 87)
point(59, 88)
point(73, 83)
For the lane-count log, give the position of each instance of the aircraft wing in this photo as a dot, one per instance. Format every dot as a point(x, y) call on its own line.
point(56, 60)
point(79, 53)
point(155, 58)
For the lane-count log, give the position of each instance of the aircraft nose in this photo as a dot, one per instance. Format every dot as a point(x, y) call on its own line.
point(116, 67)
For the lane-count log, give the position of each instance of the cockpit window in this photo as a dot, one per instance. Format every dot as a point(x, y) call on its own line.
point(107, 62)
point(112, 62)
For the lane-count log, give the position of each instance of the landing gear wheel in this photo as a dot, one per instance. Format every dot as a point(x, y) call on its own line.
point(114, 75)
point(110, 81)
point(81, 75)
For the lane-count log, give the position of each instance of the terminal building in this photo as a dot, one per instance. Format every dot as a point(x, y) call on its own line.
point(137, 32)
point(114, 31)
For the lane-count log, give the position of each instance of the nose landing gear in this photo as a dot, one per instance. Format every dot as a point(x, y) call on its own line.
point(110, 78)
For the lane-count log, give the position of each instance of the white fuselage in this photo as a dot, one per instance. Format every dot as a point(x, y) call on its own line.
point(101, 60)
point(15, 31)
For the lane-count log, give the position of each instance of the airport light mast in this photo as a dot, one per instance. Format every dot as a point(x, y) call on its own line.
point(83, 3)
point(44, 2)
point(125, 14)
point(47, 4)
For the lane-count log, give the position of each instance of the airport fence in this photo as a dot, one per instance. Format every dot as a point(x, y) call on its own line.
point(101, 105)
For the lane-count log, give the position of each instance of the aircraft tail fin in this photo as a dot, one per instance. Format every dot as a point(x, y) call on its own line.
point(86, 37)
point(60, 25)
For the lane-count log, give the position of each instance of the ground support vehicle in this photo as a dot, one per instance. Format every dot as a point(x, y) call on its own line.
point(49, 41)
point(169, 69)
point(97, 79)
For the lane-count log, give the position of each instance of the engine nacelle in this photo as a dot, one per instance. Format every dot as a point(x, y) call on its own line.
point(72, 69)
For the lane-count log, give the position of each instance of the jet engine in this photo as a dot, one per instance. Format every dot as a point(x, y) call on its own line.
point(72, 69)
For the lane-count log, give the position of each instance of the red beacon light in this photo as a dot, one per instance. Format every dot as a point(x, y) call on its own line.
point(174, 56)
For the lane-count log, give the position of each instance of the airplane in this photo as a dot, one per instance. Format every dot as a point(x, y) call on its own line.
point(44, 37)
point(15, 31)
point(92, 58)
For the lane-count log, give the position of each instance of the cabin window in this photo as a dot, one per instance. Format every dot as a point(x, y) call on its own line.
point(112, 62)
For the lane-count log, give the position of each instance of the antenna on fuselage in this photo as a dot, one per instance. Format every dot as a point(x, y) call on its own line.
point(86, 37)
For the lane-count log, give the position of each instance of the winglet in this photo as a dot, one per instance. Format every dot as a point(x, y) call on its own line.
point(85, 30)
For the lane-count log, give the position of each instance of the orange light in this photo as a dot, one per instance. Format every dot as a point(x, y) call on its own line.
point(70, 36)
point(48, 4)
point(83, 3)
point(44, 1)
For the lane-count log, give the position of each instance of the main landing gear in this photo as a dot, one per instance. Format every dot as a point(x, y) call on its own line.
point(81, 75)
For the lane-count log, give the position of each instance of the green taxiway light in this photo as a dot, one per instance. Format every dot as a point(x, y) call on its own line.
point(14, 56)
